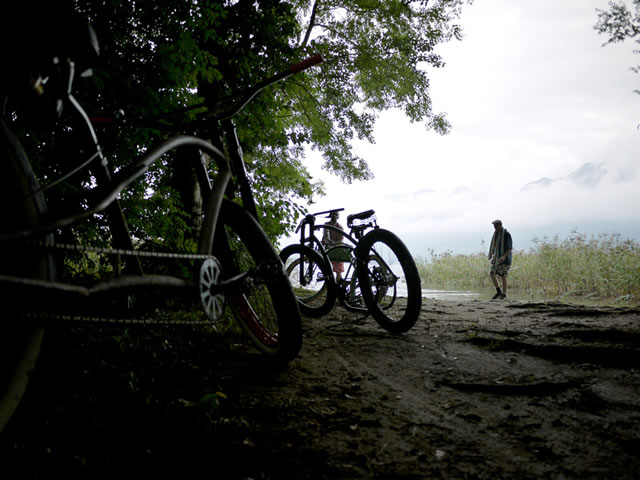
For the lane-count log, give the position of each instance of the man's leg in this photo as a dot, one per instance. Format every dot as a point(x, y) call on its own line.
point(503, 281)
point(495, 284)
point(338, 268)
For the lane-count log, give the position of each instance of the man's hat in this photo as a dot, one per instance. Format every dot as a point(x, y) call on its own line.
point(497, 222)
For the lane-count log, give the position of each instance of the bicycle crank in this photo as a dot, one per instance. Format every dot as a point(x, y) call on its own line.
point(213, 287)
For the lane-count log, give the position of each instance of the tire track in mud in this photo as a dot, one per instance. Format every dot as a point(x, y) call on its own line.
point(412, 430)
point(448, 404)
point(422, 416)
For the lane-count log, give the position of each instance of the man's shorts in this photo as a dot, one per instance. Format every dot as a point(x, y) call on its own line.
point(502, 269)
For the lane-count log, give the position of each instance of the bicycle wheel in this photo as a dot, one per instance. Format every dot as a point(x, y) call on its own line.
point(385, 293)
point(20, 208)
point(311, 279)
point(263, 304)
point(351, 294)
point(353, 297)
point(389, 280)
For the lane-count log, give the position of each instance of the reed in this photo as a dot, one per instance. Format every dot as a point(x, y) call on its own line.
point(605, 266)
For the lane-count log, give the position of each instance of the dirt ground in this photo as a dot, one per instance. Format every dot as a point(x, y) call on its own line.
point(477, 389)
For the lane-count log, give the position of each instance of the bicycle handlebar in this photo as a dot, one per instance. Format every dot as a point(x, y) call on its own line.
point(237, 101)
point(309, 62)
point(309, 217)
point(327, 211)
point(250, 93)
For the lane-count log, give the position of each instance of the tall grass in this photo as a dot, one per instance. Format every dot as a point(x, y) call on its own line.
point(605, 266)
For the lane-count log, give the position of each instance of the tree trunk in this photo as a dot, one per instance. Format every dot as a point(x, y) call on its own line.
point(185, 182)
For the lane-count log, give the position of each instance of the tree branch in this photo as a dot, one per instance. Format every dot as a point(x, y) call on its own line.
point(311, 24)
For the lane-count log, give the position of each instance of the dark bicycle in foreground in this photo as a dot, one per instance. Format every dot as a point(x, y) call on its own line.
point(380, 279)
point(234, 270)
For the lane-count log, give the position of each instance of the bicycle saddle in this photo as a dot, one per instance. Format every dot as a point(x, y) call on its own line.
point(360, 216)
point(33, 35)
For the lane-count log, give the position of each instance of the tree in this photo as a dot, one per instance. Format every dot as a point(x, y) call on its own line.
point(620, 23)
point(379, 53)
point(183, 56)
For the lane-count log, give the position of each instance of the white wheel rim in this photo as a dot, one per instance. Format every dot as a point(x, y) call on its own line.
point(210, 275)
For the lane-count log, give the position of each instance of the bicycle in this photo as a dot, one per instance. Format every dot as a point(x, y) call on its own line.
point(313, 284)
point(378, 266)
point(235, 267)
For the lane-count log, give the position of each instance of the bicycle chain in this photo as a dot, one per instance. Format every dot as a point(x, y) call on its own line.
point(115, 251)
point(80, 319)
point(42, 316)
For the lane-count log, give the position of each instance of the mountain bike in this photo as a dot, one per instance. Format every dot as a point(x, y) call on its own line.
point(380, 279)
point(234, 271)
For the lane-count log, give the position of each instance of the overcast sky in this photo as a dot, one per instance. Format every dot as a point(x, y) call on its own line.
point(545, 136)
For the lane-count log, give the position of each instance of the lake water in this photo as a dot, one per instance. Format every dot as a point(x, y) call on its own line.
point(522, 296)
point(513, 294)
point(454, 295)
point(484, 294)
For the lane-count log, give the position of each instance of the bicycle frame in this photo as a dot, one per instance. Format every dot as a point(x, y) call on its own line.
point(308, 229)
point(308, 224)
point(104, 197)
point(378, 260)
point(232, 246)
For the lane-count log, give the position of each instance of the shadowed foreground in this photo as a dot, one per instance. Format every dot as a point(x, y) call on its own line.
point(476, 389)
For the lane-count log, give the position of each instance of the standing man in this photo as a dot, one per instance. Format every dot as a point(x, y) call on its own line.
point(500, 256)
point(330, 238)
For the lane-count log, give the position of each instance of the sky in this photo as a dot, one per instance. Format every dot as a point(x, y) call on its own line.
point(545, 136)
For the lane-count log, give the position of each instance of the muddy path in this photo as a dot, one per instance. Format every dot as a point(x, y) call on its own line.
point(488, 390)
point(476, 389)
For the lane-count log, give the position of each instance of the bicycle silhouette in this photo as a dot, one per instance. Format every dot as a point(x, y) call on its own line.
point(234, 268)
point(381, 277)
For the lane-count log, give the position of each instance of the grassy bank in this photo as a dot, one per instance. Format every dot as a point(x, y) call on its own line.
point(605, 266)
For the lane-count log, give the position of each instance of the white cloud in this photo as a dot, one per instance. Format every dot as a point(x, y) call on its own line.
point(541, 183)
point(544, 133)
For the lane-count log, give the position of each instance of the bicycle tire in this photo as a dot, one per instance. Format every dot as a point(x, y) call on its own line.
point(393, 314)
point(316, 293)
point(385, 294)
point(350, 294)
point(20, 207)
point(266, 310)
point(353, 296)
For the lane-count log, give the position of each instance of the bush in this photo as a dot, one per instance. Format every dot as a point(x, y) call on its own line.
point(605, 265)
